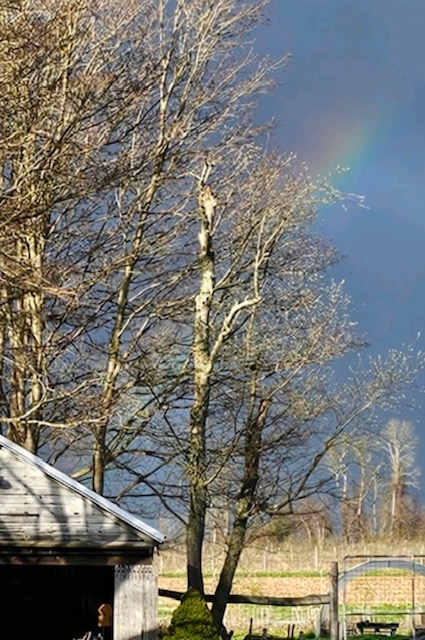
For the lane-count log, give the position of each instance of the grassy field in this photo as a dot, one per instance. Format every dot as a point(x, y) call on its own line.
point(375, 636)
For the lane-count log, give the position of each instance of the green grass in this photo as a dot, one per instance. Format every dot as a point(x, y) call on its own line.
point(385, 572)
point(374, 636)
point(289, 573)
point(281, 574)
point(238, 635)
point(253, 574)
point(380, 609)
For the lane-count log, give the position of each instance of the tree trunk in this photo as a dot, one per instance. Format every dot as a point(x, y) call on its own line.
point(195, 537)
point(228, 571)
point(200, 407)
point(25, 332)
point(244, 505)
point(114, 365)
point(196, 472)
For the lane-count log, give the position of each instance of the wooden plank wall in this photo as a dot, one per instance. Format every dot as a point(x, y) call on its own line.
point(135, 603)
point(38, 510)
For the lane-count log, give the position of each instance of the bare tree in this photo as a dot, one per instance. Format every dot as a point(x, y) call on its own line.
point(107, 114)
point(68, 99)
point(357, 466)
point(399, 444)
point(258, 393)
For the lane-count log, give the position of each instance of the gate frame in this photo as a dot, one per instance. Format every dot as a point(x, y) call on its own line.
point(374, 562)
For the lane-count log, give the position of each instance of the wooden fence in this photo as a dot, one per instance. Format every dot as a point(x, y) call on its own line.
point(330, 599)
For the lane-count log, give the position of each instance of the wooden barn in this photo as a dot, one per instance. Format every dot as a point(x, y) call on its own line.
point(64, 552)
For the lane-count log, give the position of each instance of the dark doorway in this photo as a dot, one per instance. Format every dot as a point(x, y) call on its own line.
point(52, 602)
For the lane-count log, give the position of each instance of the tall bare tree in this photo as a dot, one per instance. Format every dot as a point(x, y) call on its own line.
point(358, 467)
point(399, 445)
point(70, 214)
point(107, 114)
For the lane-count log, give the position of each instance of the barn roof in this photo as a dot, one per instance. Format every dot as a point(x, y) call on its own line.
point(71, 493)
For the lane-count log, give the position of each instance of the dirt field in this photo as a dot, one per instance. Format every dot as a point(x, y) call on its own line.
point(259, 585)
point(364, 590)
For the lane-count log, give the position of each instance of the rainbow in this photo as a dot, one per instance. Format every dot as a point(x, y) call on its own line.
point(347, 138)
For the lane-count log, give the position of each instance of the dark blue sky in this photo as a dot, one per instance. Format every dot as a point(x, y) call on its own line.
point(353, 94)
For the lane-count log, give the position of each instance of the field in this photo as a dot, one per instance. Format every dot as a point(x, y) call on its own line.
point(295, 570)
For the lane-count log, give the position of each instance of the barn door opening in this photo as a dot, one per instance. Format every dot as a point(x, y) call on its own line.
point(51, 602)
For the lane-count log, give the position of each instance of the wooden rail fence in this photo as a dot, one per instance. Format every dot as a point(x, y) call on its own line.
point(330, 599)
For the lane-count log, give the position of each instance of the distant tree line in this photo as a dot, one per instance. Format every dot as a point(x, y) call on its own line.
point(374, 495)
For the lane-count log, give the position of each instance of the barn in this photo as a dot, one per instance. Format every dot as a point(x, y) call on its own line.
point(65, 551)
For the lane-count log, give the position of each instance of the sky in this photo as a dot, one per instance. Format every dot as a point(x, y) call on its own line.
point(353, 95)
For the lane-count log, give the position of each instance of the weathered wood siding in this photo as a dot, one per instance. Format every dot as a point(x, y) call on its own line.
point(135, 603)
point(39, 511)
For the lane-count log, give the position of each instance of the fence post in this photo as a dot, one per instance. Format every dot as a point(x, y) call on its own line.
point(333, 604)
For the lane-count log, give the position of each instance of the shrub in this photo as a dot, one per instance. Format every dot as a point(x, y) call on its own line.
point(192, 620)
